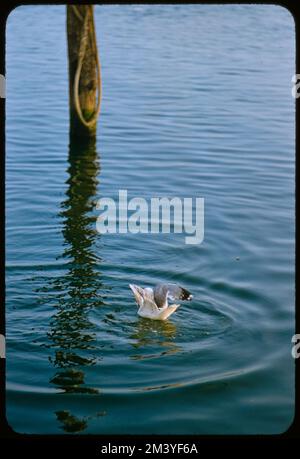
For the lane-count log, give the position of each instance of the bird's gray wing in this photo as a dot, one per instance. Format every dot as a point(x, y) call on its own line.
point(144, 298)
point(138, 294)
point(173, 291)
point(150, 306)
point(160, 295)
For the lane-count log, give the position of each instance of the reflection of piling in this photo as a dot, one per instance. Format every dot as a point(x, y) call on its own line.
point(84, 71)
point(78, 288)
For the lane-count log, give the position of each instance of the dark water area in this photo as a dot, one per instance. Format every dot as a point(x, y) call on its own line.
point(196, 102)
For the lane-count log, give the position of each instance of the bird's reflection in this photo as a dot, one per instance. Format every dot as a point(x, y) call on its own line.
point(79, 288)
point(156, 335)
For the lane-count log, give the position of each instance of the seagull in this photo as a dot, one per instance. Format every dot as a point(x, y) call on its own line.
point(153, 303)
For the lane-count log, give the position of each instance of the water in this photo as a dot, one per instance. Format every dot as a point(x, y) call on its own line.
point(196, 102)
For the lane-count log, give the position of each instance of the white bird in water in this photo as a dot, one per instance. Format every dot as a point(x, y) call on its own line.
point(153, 303)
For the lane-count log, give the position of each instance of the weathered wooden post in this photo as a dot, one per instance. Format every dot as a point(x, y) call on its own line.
point(84, 71)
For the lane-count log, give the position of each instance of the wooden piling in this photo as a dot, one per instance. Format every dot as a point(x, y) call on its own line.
point(84, 71)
